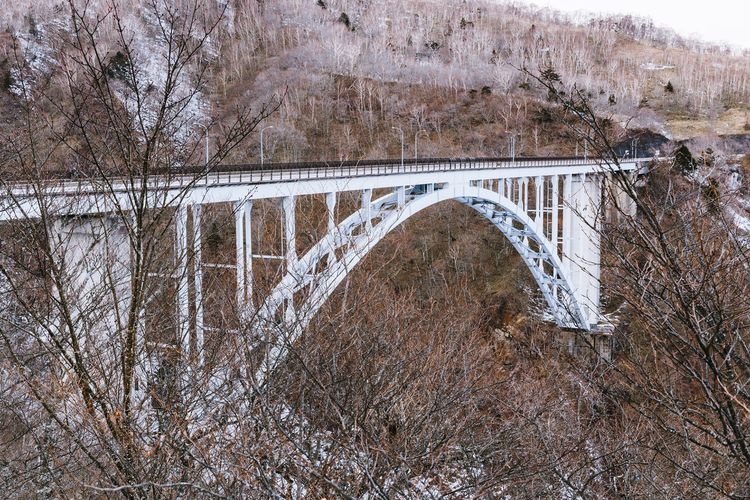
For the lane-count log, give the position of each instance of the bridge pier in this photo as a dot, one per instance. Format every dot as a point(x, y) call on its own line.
point(290, 255)
point(198, 280)
point(367, 208)
point(583, 237)
point(93, 256)
point(400, 196)
point(555, 236)
point(181, 270)
point(331, 212)
point(620, 204)
point(244, 257)
point(595, 346)
point(539, 202)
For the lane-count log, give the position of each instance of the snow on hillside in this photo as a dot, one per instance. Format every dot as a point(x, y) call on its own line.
point(40, 32)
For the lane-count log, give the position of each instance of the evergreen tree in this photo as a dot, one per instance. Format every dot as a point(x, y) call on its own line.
point(684, 160)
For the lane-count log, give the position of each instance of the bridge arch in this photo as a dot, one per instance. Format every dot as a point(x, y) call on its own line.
point(319, 272)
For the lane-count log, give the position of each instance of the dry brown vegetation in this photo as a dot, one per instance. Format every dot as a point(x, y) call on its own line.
point(419, 65)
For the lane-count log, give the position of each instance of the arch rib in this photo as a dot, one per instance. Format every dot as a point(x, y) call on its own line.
point(362, 230)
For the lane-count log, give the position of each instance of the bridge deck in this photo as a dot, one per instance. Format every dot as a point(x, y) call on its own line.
point(234, 182)
point(59, 183)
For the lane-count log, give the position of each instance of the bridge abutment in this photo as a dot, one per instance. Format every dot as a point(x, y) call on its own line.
point(91, 295)
point(93, 261)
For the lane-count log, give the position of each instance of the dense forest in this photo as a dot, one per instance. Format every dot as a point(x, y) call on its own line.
point(433, 370)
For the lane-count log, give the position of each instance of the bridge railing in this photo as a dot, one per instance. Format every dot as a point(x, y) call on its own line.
point(275, 172)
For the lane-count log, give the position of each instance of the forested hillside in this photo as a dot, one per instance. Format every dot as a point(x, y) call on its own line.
point(350, 70)
point(432, 371)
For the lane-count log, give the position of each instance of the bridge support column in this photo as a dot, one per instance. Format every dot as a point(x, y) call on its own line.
point(248, 291)
point(574, 236)
point(538, 204)
point(290, 238)
point(181, 268)
point(523, 193)
point(93, 257)
point(620, 205)
point(585, 267)
point(400, 196)
point(567, 230)
point(239, 247)
point(367, 208)
point(198, 280)
point(627, 204)
point(508, 193)
point(555, 212)
point(243, 212)
point(331, 210)
point(290, 230)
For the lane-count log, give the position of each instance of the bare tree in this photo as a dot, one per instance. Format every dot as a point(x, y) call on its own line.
point(111, 394)
point(680, 265)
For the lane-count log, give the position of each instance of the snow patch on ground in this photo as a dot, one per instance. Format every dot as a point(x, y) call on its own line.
point(36, 50)
point(37, 58)
point(650, 66)
point(188, 106)
point(741, 221)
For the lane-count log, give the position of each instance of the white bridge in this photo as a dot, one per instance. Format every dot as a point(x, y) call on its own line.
point(548, 208)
